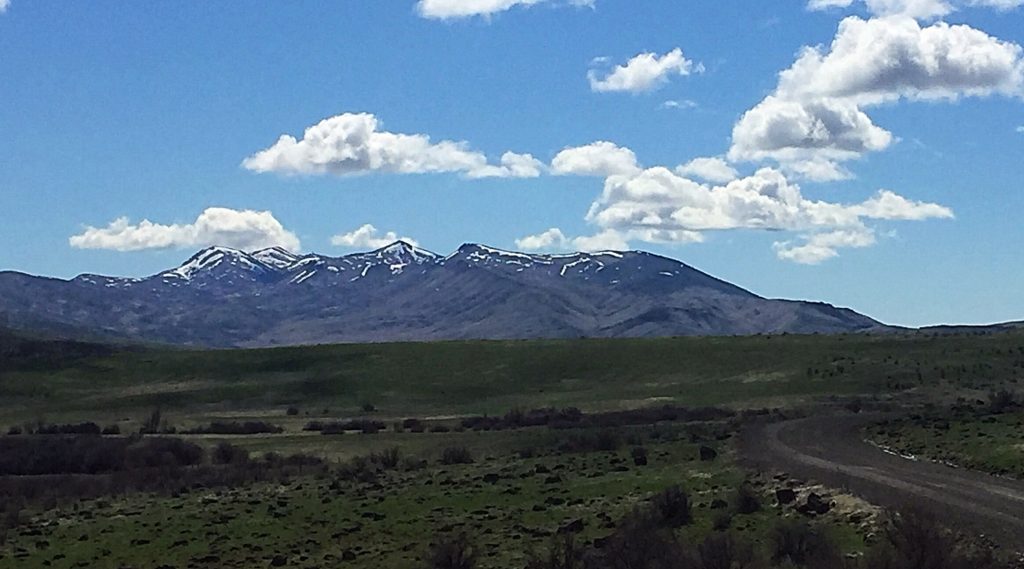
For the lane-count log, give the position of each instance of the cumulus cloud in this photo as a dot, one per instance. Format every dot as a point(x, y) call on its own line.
point(4, 4)
point(712, 169)
point(368, 237)
point(1020, 129)
point(551, 240)
point(816, 119)
point(456, 9)
point(921, 9)
point(819, 247)
point(240, 229)
point(554, 240)
point(513, 165)
point(885, 59)
point(644, 72)
point(607, 240)
point(808, 138)
point(661, 206)
point(601, 158)
point(352, 144)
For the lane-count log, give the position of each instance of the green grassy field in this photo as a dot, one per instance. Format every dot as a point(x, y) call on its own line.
point(522, 488)
point(492, 377)
point(510, 505)
point(990, 443)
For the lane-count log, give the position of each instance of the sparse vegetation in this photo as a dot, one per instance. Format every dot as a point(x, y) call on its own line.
point(584, 478)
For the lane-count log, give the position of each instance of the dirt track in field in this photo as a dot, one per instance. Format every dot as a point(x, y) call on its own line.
point(832, 451)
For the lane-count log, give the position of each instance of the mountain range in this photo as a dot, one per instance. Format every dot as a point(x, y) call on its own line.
point(222, 297)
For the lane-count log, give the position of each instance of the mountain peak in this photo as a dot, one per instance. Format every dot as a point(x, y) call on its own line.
point(219, 258)
point(404, 251)
point(470, 249)
point(277, 257)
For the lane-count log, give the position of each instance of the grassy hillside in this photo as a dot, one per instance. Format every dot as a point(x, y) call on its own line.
point(517, 488)
point(492, 377)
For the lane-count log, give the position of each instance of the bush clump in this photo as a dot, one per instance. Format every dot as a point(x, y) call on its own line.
point(456, 455)
point(236, 428)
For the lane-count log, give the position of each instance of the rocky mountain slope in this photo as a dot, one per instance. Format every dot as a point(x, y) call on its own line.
point(224, 297)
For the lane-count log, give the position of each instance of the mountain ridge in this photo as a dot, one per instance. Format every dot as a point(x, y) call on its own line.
point(224, 297)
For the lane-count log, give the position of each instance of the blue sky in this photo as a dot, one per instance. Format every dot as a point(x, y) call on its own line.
point(161, 111)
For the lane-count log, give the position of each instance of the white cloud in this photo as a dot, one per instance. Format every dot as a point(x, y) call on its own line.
point(711, 169)
point(819, 247)
point(607, 240)
point(921, 9)
point(240, 229)
point(555, 241)
point(600, 158)
point(1020, 129)
point(513, 165)
point(455, 9)
point(826, 4)
point(4, 4)
point(679, 104)
point(806, 137)
point(816, 118)
point(644, 72)
point(660, 206)
point(885, 59)
point(551, 240)
point(368, 237)
point(351, 144)
point(888, 205)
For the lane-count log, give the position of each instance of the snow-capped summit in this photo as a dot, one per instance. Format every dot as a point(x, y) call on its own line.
point(395, 257)
point(476, 253)
point(226, 297)
point(404, 252)
point(276, 257)
point(219, 263)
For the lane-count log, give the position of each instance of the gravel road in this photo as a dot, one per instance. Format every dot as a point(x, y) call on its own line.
point(832, 451)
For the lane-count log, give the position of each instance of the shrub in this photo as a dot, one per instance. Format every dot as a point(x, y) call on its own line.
point(414, 425)
point(1002, 401)
point(369, 408)
point(292, 411)
point(639, 455)
point(672, 507)
point(601, 441)
point(721, 521)
point(452, 552)
point(152, 423)
point(163, 452)
point(798, 543)
point(112, 430)
point(364, 426)
point(562, 553)
point(360, 469)
point(640, 542)
point(456, 455)
point(387, 459)
point(746, 500)
point(225, 453)
point(916, 540)
point(723, 551)
point(236, 428)
point(87, 428)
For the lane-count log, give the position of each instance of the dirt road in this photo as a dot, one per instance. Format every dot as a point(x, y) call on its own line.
point(832, 451)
